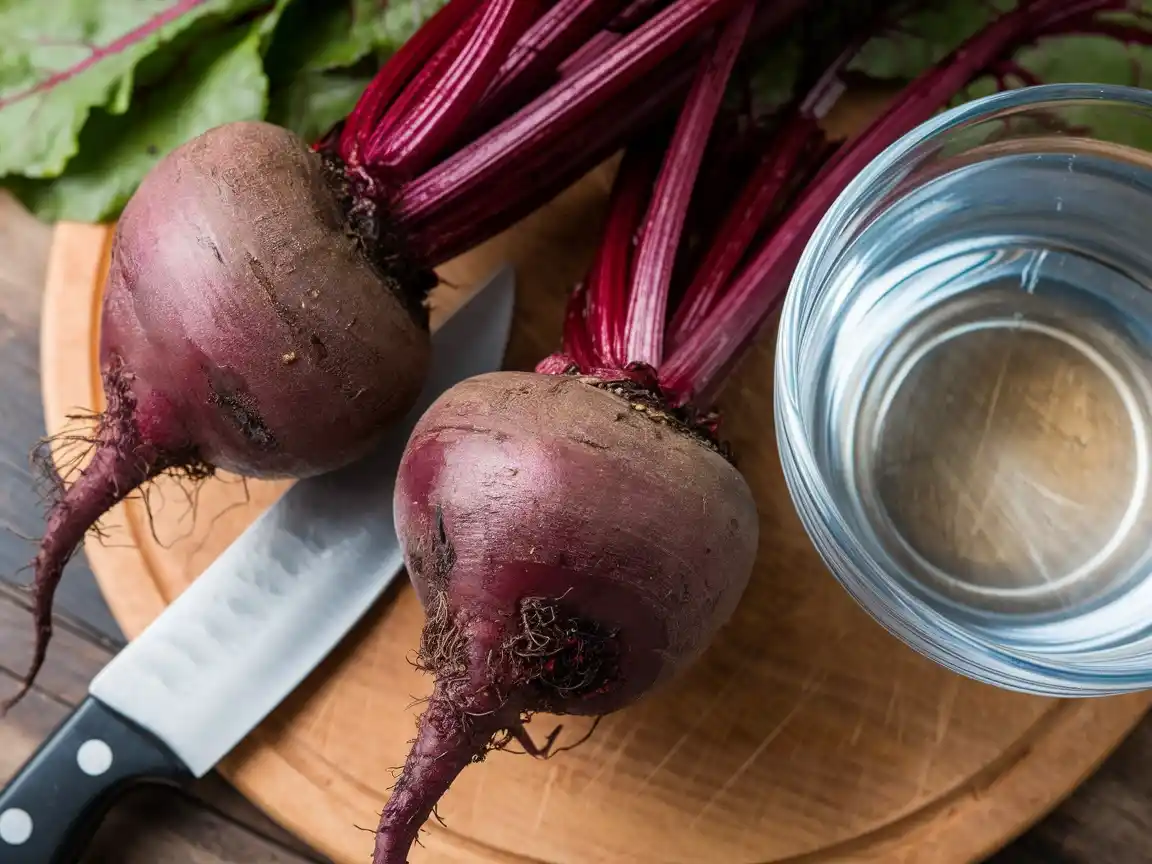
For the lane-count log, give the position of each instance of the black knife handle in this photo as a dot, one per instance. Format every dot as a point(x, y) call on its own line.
point(52, 807)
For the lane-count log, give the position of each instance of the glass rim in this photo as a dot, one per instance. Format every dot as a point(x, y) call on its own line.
point(926, 630)
point(976, 109)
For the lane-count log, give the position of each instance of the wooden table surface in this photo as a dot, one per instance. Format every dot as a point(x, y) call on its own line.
point(1107, 821)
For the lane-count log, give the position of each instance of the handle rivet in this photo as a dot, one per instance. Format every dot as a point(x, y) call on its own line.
point(94, 757)
point(15, 826)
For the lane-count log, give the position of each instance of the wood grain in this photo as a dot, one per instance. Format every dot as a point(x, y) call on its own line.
point(24, 243)
point(1107, 821)
point(806, 734)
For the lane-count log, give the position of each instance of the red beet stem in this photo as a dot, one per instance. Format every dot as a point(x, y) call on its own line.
point(750, 212)
point(117, 468)
point(598, 45)
point(531, 184)
point(635, 14)
point(497, 177)
point(660, 235)
point(447, 741)
point(608, 288)
point(407, 145)
point(394, 75)
point(503, 175)
point(532, 66)
point(631, 17)
point(699, 363)
point(738, 146)
point(740, 228)
point(417, 91)
point(577, 342)
point(556, 114)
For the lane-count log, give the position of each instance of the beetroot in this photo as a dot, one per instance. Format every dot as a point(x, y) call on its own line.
point(577, 535)
point(211, 326)
point(265, 309)
point(540, 543)
point(276, 345)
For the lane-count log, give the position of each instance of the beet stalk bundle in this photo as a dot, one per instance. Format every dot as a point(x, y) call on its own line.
point(265, 307)
point(577, 534)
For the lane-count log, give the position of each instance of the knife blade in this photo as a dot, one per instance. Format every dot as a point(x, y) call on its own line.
point(244, 634)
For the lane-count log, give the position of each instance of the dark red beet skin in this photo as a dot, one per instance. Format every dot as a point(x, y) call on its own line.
point(544, 529)
point(249, 324)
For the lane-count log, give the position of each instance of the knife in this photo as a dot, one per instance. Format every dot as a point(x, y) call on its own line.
point(244, 634)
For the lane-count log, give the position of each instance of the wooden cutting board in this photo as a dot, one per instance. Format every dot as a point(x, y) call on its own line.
point(806, 734)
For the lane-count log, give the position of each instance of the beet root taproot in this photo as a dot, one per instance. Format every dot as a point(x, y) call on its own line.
point(543, 524)
point(251, 322)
